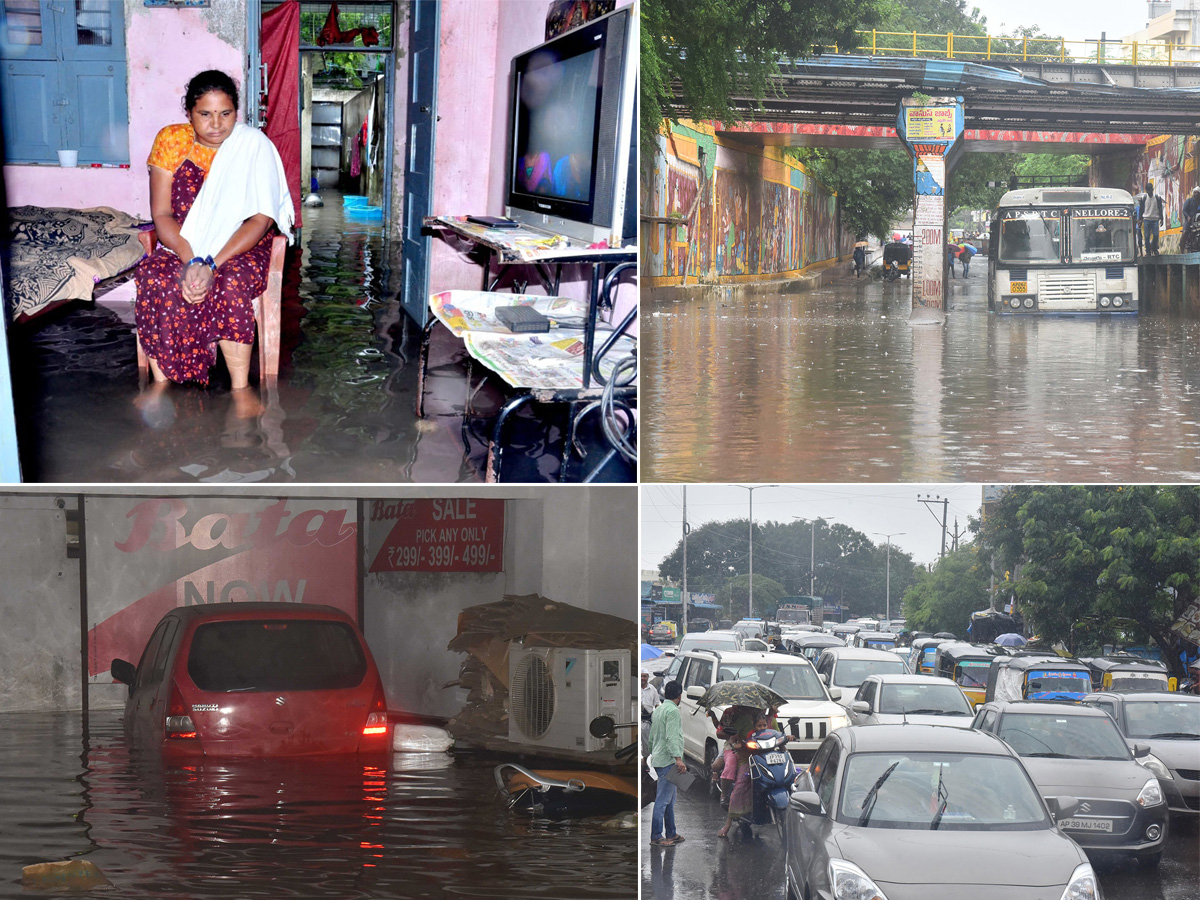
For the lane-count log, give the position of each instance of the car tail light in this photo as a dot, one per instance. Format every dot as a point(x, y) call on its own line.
point(377, 717)
point(178, 725)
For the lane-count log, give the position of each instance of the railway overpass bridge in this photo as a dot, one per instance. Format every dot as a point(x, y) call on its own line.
point(869, 101)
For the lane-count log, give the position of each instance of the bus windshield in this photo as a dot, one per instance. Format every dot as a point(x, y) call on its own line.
point(1102, 235)
point(1030, 235)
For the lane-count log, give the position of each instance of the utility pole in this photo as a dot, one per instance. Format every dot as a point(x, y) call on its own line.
point(957, 534)
point(685, 534)
point(945, 501)
point(888, 581)
point(812, 561)
point(752, 488)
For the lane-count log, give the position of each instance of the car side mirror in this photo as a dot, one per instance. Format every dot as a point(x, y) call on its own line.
point(1065, 807)
point(602, 727)
point(695, 692)
point(122, 671)
point(861, 706)
point(806, 802)
point(1140, 750)
point(825, 677)
point(835, 693)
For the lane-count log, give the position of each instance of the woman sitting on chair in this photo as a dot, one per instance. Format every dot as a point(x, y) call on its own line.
point(217, 195)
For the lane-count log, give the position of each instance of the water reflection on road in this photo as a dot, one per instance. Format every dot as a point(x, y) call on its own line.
point(412, 825)
point(834, 385)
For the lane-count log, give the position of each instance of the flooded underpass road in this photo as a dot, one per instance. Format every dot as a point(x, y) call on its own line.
point(416, 825)
point(835, 385)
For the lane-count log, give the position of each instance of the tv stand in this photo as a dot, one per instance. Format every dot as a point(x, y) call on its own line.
point(544, 251)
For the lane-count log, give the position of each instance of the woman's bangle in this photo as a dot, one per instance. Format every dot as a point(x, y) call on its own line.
point(204, 261)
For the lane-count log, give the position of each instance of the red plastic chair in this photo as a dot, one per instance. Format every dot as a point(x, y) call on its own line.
point(266, 308)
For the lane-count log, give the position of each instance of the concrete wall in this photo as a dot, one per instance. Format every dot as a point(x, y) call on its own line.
point(39, 644)
point(760, 217)
point(578, 546)
point(164, 48)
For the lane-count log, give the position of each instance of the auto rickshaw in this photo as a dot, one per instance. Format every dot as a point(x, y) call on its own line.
point(967, 666)
point(921, 656)
point(1126, 672)
point(897, 259)
point(1037, 676)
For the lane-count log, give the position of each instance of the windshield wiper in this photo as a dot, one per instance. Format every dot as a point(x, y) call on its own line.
point(1050, 755)
point(869, 801)
point(1186, 735)
point(944, 796)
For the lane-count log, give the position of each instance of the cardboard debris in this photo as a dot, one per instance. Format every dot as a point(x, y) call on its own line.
point(486, 632)
point(72, 874)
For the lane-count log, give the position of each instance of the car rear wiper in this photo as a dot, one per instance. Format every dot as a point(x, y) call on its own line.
point(869, 801)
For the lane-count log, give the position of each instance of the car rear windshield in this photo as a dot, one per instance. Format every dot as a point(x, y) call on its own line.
point(724, 642)
point(923, 699)
point(853, 672)
point(946, 791)
point(1063, 736)
point(795, 682)
point(1163, 719)
point(275, 655)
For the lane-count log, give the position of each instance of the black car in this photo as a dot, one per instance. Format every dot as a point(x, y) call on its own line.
point(925, 812)
point(1077, 751)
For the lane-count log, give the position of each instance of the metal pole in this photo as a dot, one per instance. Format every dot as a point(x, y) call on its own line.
point(685, 534)
point(887, 590)
point(945, 509)
point(750, 611)
point(812, 562)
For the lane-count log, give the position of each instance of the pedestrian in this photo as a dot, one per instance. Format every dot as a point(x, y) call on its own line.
point(1139, 203)
point(860, 259)
point(965, 252)
point(651, 698)
point(950, 252)
point(1152, 212)
point(666, 752)
point(741, 797)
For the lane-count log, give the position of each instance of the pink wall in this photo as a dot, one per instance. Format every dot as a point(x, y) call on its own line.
point(158, 72)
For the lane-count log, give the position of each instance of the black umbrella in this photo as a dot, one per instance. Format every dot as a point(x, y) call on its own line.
point(742, 693)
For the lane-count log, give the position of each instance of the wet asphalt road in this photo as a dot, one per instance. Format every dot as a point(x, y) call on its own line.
point(835, 385)
point(705, 867)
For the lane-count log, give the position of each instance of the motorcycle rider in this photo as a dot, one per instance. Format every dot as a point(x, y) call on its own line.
point(1191, 221)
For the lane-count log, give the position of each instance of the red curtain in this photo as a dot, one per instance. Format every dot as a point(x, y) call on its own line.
point(281, 55)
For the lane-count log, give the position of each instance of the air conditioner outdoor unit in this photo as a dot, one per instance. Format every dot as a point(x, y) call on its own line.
point(554, 693)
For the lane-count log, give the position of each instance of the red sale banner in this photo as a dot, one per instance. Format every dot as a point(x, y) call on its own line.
point(443, 535)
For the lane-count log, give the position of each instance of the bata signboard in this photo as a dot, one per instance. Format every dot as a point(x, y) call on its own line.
point(145, 557)
point(441, 535)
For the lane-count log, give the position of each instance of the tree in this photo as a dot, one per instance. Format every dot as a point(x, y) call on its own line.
point(1097, 565)
point(943, 600)
point(716, 49)
point(735, 596)
point(874, 187)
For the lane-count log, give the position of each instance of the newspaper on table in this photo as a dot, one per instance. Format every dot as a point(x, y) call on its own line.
point(475, 311)
point(550, 361)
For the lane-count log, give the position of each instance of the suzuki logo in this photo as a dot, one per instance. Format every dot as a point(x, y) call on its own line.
point(279, 701)
point(1085, 807)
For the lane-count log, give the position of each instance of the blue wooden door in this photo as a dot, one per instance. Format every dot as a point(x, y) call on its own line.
point(418, 167)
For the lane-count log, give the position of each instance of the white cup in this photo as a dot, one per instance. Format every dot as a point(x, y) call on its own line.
point(68, 159)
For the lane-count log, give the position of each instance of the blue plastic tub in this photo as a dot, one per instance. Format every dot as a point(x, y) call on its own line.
point(350, 200)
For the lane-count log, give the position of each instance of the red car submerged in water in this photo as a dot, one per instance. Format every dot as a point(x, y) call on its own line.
point(254, 680)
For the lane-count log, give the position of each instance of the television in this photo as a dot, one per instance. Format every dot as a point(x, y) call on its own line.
point(572, 134)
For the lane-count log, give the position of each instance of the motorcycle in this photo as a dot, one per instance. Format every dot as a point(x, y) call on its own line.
point(772, 772)
point(1191, 236)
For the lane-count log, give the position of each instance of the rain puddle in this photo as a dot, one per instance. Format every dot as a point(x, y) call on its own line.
point(418, 825)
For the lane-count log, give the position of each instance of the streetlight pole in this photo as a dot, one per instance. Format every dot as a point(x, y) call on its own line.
point(888, 582)
point(752, 488)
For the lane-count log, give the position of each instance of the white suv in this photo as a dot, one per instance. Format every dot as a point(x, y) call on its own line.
point(807, 717)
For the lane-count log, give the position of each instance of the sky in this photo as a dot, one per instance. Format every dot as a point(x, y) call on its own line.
point(1074, 20)
point(869, 508)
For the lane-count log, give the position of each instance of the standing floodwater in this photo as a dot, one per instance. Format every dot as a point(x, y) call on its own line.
point(835, 385)
point(417, 825)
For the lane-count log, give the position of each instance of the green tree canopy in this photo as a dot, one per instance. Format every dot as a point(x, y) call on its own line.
point(735, 596)
point(943, 599)
point(1096, 565)
point(717, 49)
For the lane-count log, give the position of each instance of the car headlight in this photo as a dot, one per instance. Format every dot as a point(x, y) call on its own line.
point(1151, 794)
point(838, 721)
point(851, 883)
point(1083, 885)
point(1157, 766)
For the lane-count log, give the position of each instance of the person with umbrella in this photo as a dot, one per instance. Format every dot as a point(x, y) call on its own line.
point(666, 751)
point(1011, 639)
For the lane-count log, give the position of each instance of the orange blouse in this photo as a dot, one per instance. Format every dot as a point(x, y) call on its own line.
point(177, 143)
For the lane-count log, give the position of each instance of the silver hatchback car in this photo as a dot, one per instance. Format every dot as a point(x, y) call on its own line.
point(925, 812)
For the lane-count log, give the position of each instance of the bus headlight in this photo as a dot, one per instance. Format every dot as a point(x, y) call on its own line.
point(1118, 301)
point(1015, 302)
point(1028, 303)
point(1104, 301)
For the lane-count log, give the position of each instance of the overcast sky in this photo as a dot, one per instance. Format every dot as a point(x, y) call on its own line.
point(884, 508)
point(1074, 20)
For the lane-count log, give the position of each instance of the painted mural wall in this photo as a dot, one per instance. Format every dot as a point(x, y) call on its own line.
point(1169, 161)
point(757, 214)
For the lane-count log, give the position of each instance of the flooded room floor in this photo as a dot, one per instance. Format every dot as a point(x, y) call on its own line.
point(342, 409)
point(419, 825)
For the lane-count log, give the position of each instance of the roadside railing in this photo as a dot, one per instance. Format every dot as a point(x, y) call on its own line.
point(990, 48)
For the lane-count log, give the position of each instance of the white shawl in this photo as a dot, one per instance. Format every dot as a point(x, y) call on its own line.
point(246, 179)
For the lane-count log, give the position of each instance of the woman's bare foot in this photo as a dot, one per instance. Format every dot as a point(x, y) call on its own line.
point(156, 372)
point(724, 832)
point(155, 404)
point(246, 404)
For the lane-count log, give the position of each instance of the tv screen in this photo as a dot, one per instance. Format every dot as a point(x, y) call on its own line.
point(556, 124)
